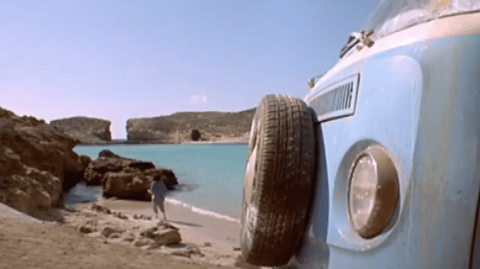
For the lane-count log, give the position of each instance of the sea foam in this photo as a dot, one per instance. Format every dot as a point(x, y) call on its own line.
point(201, 211)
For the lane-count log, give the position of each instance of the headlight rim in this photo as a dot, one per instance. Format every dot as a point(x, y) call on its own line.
point(385, 197)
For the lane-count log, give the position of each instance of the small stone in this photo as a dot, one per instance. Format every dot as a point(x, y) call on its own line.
point(193, 249)
point(115, 235)
point(128, 239)
point(236, 249)
point(149, 232)
point(100, 208)
point(154, 245)
point(107, 231)
point(115, 240)
point(167, 237)
point(94, 234)
point(207, 244)
point(142, 241)
point(87, 228)
point(122, 216)
point(70, 209)
point(165, 225)
point(181, 253)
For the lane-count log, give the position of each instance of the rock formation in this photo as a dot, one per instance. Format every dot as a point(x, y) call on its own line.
point(213, 126)
point(87, 130)
point(37, 163)
point(125, 178)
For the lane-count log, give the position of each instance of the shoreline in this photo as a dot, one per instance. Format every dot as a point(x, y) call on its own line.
point(208, 227)
point(222, 142)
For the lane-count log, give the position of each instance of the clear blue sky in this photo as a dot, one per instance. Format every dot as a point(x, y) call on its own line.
point(127, 59)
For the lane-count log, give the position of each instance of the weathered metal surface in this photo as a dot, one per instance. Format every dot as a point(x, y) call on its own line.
point(421, 103)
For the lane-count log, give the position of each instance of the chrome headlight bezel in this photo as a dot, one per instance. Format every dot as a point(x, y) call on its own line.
point(370, 212)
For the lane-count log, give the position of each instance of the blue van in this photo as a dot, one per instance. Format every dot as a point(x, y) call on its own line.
point(379, 165)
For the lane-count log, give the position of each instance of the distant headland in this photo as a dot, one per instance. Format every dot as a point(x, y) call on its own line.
point(180, 127)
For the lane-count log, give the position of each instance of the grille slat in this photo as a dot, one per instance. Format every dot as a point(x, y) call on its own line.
point(336, 100)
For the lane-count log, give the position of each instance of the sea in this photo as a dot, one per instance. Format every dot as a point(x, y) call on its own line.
point(210, 176)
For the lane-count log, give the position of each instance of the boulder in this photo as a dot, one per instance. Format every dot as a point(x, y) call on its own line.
point(73, 177)
point(142, 166)
point(97, 169)
point(86, 130)
point(125, 178)
point(126, 186)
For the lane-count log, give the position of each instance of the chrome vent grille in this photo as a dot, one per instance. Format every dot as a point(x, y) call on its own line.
point(336, 100)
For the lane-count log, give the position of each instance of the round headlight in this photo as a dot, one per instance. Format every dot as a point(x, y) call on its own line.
point(373, 192)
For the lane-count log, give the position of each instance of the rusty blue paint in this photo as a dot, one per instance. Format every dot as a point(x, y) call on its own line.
point(421, 103)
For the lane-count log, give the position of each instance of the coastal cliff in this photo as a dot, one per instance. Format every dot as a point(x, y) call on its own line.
point(192, 126)
point(37, 163)
point(87, 130)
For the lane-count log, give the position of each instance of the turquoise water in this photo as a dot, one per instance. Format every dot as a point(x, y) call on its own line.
point(210, 176)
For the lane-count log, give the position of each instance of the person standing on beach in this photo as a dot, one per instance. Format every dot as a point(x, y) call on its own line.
point(158, 191)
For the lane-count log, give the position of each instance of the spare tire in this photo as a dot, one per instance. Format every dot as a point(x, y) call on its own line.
point(278, 180)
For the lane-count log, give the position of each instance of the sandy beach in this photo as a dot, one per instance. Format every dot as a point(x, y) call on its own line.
point(206, 227)
point(59, 240)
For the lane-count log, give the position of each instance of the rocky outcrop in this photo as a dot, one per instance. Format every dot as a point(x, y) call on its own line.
point(213, 126)
point(37, 163)
point(87, 130)
point(125, 178)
